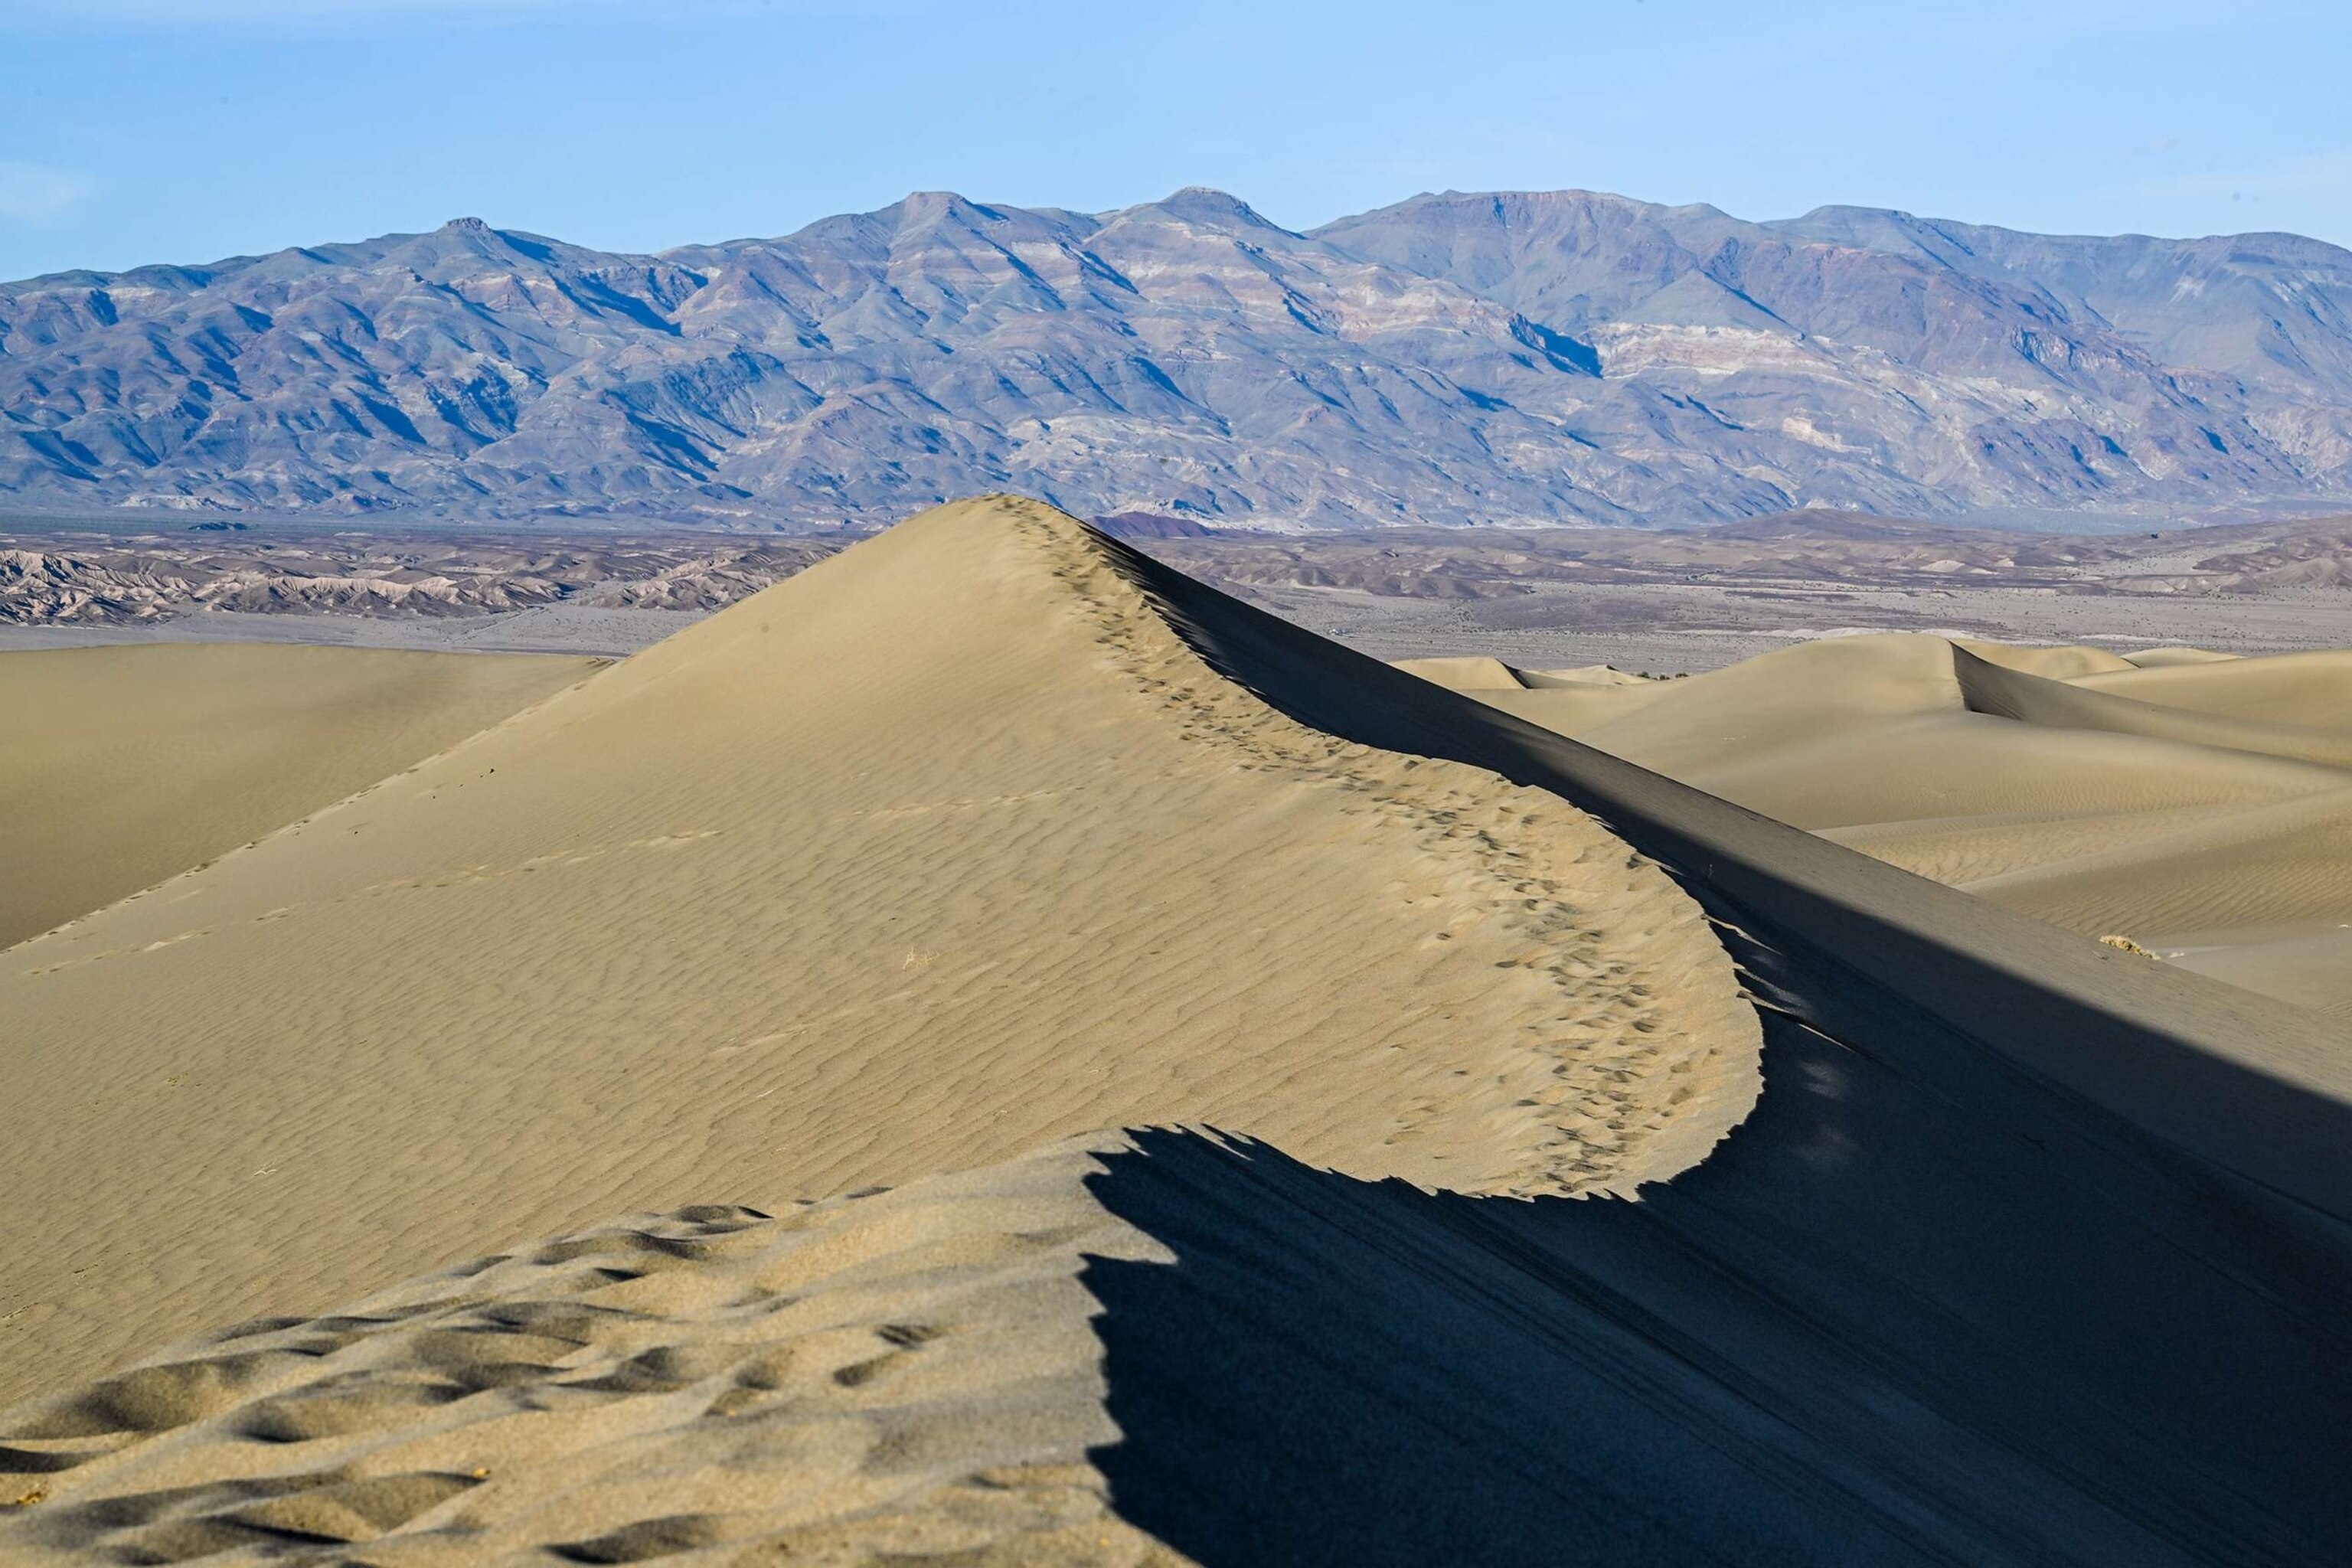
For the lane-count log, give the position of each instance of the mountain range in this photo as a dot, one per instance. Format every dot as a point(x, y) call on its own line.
point(1456, 359)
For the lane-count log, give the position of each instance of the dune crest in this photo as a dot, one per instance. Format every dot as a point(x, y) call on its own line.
point(2201, 806)
point(943, 849)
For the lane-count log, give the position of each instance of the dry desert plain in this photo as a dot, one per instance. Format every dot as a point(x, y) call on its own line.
point(994, 1052)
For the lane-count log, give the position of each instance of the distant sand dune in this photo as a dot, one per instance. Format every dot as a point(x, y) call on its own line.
point(2303, 689)
point(128, 764)
point(2200, 804)
point(2163, 657)
point(2014, 694)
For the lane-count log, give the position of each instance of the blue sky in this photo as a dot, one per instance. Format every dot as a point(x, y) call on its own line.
point(135, 131)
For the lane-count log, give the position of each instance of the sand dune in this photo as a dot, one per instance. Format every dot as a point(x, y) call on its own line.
point(2162, 658)
point(2307, 967)
point(942, 848)
point(2090, 799)
point(1988, 687)
point(128, 764)
point(2306, 688)
point(2070, 663)
point(1964, 1242)
point(2030, 1251)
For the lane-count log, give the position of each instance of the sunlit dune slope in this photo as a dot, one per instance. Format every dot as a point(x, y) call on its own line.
point(942, 848)
point(2033, 700)
point(2071, 662)
point(123, 765)
point(2216, 828)
point(2161, 657)
point(2305, 689)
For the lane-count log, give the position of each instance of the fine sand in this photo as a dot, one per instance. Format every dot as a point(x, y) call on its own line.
point(2198, 804)
point(931, 865)
point(943, 848)
point(124, 765)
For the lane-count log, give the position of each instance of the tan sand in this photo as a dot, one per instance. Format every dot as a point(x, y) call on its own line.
point(2069, 705)
point(124, 765)
point(1581, 675)
point(2313, 968)
point(2033, 1250)
point(940, 850)
point(2161, 657)
point(1470, 674)
point(651, 1388)
point(2069, 663)
point(2304, 689)
point(2202, 804)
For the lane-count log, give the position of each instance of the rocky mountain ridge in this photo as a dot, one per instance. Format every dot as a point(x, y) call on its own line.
point(1508, 359)
point(89, 581)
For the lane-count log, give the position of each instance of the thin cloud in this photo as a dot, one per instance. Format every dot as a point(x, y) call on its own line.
point(39, 196)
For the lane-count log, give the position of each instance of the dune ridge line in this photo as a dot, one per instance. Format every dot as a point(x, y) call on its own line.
point(941, 851)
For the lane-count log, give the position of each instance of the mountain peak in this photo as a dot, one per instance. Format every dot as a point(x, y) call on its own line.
point(1207, 205)
point(921, 205)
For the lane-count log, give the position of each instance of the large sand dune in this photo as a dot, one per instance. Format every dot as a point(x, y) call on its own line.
point(125, 765)
point(2030, 1251)
point(941, 850)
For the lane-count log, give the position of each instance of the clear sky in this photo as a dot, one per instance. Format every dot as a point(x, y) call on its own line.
point(135, 131)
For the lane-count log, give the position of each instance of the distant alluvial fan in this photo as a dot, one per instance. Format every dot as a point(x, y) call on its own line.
point(1559, 357)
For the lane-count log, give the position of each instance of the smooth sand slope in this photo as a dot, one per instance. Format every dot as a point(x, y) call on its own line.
point(940, 850)
point(2305, 689)
point(125, 765)
point(2031, 1251)
point(2202, 807)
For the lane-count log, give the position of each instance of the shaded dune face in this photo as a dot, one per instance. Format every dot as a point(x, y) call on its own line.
point(943, 849)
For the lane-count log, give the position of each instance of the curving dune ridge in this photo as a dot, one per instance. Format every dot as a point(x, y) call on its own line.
point(943, 848)
point(2030, 1251)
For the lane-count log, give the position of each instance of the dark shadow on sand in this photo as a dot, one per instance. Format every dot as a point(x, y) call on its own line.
point(1894, 1318)
point(2024, 1256)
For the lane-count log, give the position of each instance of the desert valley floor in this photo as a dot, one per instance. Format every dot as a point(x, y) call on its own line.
point(994, 1050)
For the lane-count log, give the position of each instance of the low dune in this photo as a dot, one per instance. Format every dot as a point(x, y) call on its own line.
point(128, 764)
point(2304, 689)
point(2197, 805)
point(2010, 693)
point(2067, 663)
point(2162, 658)
point(2029, 1249)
